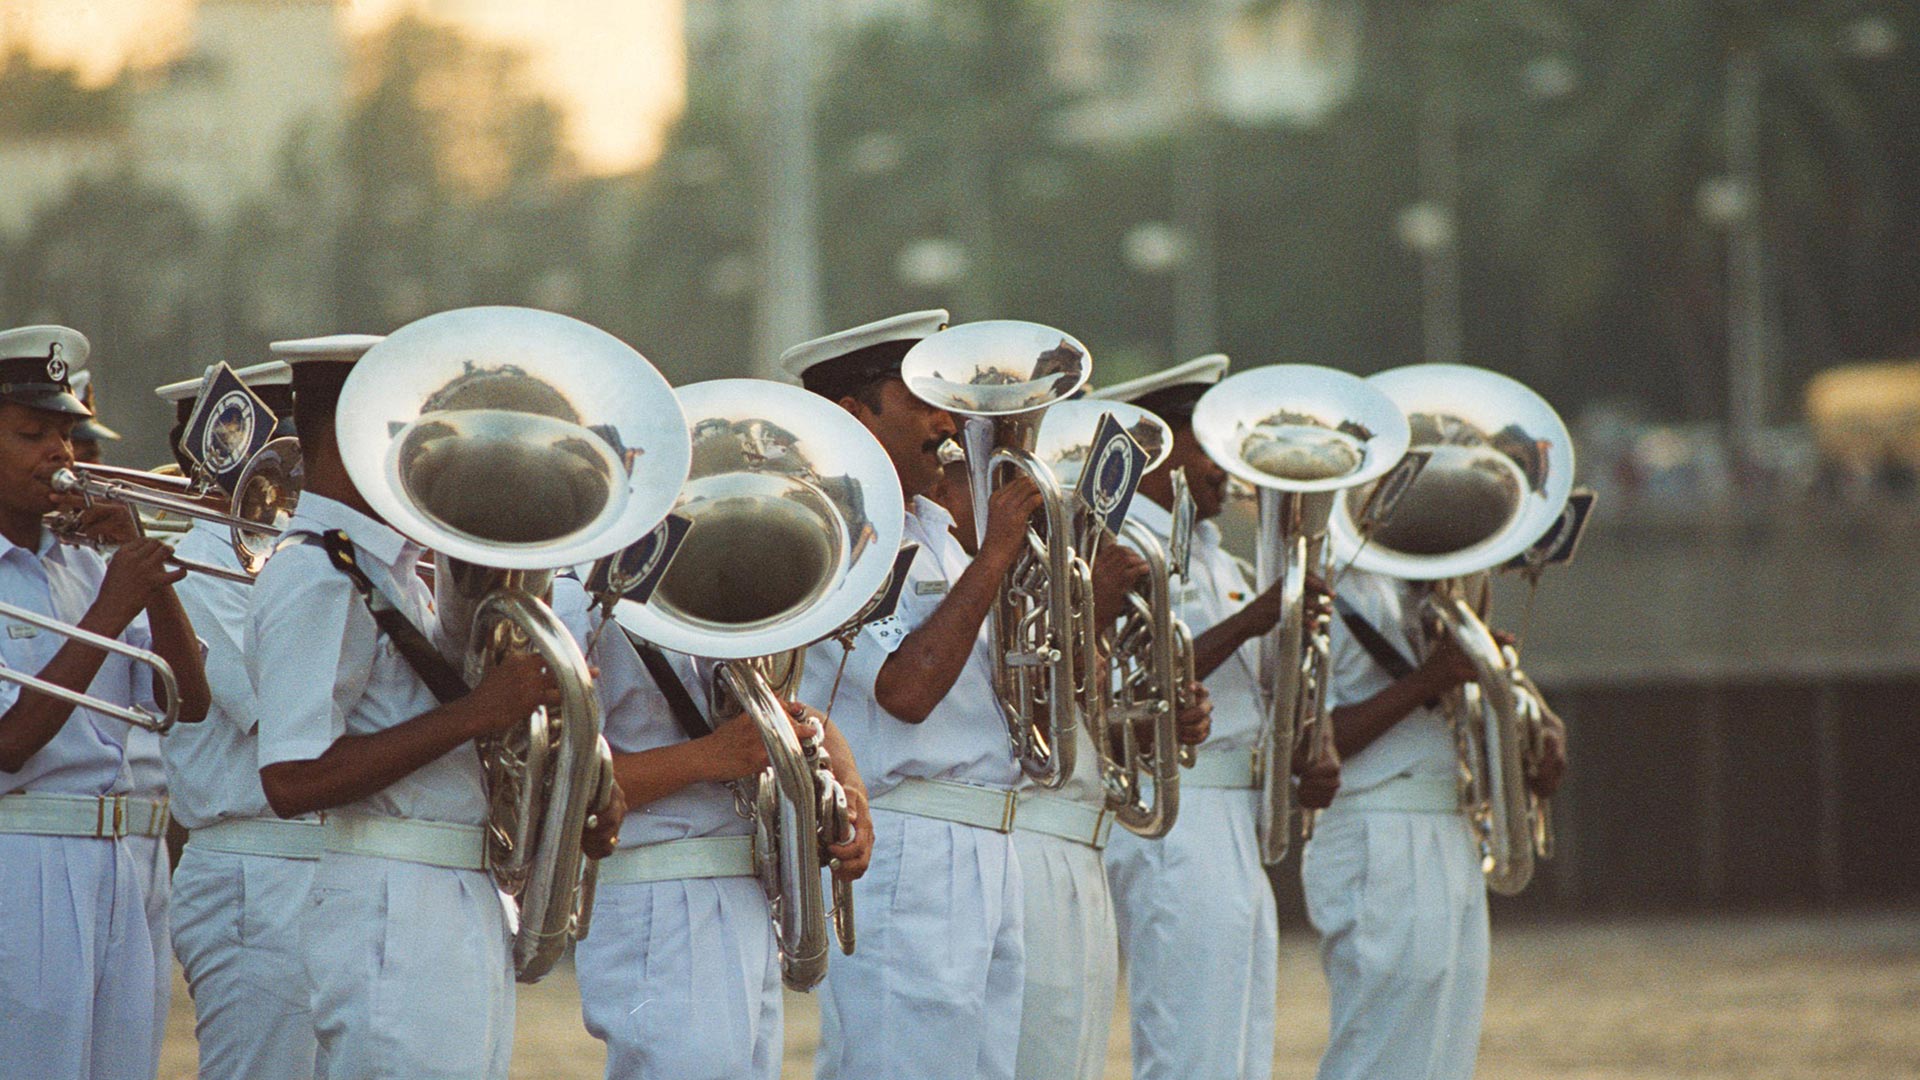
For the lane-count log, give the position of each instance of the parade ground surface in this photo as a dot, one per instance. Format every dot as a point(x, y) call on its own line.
point(1802, 997)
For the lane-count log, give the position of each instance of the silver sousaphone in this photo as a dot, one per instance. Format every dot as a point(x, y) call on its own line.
point(796, 516)
point(1300, 434)
point(1499, 476)
point(514, 442)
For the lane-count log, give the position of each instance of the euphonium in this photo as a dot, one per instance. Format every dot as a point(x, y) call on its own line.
point(1300, 434)
point(796, 518)
point(513, 442)
point(1500, 473)
point(1149, 652)
point(1000, 376)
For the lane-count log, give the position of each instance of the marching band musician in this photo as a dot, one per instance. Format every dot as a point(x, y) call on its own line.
point(243, 877)
point(1073, 962)
point(1392, 875)
point(1195, 908)
point(681, 976)
point(934, 989)
point(77, 974)
point(148, 840)
point(404, 937)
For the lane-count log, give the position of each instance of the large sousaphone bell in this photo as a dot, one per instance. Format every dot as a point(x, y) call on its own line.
point(513, 442)
point(1149, 652)
point(796, 516)
point(1300, 434)
point(1001, 376)
point(1499, 476)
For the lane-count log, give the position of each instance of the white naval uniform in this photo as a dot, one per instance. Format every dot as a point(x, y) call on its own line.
point(156, 871)
point(76, 955)
point(1392, 878)
point(409, 961)
point(679, 977)
point(242, 881)
point(1197, 920)
point(1073, 957)
point(933, 989)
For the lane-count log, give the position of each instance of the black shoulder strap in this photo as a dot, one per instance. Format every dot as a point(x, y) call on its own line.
point(1373, 641)
point(685, 712)
point(440, 677)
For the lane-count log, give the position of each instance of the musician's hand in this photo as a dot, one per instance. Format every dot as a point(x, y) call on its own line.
point(737, 749)
point(512, 689)
point(851, 858)
point(1549, 767)
point(1445, 667)
point(1009, 509)
point(1116, 569)
point(1196, 720)
point(134, 575)
point(107, 523)
point(603, 826)
point(1319, 772)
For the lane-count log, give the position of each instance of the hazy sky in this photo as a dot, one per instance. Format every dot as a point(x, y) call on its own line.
point(616, 64)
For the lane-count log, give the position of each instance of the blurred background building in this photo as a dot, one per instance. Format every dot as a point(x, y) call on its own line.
point(1693, 226)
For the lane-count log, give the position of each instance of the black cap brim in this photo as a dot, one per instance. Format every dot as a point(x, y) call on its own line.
point(93, 429)
point(53, 401)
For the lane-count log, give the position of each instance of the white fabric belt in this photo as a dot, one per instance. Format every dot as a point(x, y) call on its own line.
point(261, 836)
point(1053, 815)
point(105, 817)
point(1422, 794)
point(944, 800)
point(1223, 769)
point(433, 843)
point(680, 860)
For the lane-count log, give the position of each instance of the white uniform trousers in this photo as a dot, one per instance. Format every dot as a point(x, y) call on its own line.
point(1073, 960)
point(1200, 936)
point(76, 961)
point(156, 887)
point(236, 932)
point(411, 971)
point(1401, 909)
point(681, 980)
point(933, 990)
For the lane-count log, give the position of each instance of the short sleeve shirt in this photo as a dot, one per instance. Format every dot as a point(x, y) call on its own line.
point(87, 756)
point(965, 737)
point(321, 669)
point(1421, 743)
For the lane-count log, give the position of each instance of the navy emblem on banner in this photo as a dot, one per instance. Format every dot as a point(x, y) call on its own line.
point(228, 426)
point(1115, 464)
point(635, 572)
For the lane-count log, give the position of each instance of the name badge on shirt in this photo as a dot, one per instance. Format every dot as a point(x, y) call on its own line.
point(930, 588)
point(16, 631)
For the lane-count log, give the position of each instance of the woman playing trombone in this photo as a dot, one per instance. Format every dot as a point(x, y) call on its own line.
point(77, 1000)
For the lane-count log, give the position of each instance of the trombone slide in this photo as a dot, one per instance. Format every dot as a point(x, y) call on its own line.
point(138, 717)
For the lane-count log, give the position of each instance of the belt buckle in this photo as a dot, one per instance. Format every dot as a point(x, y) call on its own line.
point(1007, 810)
point(1103, 827)
point(110, 826)
point(1259, 762)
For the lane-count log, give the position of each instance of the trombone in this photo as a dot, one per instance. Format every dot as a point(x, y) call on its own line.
point(262, 503)
point(132, 714)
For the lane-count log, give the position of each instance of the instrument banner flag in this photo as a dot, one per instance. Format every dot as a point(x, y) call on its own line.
point(1115, 464)
point(1558, 546)
point(635, 572)
point(228, 426)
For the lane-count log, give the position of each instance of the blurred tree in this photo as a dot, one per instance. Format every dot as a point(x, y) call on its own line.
point(40, 100)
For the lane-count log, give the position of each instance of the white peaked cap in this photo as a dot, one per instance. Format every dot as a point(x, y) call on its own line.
point(1203, 371)
point(913, 326)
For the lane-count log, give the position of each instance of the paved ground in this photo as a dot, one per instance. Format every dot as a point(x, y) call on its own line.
point(1780, 998)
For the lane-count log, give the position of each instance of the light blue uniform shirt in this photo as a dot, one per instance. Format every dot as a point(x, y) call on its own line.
point(213, 771)
point(964, 738)
point(638, 718)
point(88, 755)
point(1422, 743)
point(322, 670)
